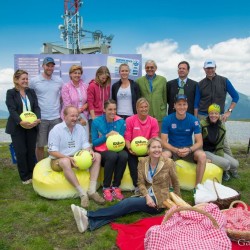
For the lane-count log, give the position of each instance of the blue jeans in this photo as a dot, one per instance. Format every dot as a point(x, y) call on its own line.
point(104, 216)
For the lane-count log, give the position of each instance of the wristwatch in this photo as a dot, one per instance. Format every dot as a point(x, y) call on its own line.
point(230, 110)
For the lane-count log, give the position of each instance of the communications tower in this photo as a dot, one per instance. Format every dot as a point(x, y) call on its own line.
point(73, 34)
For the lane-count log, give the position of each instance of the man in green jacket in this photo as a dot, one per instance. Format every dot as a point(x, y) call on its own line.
point(154, 88)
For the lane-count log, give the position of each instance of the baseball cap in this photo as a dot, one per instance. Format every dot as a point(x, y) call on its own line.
point(209, 64)
point(180, 97)
point(214, 107)
point(47, 60)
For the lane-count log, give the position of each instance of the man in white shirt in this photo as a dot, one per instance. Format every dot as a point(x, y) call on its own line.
point(48, 91)
point(65, 139)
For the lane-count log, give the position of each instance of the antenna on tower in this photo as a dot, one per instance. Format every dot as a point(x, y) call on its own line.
point(73, 34)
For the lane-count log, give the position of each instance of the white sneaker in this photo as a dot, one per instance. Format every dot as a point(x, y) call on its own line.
point(83, 210)
point(27, 182)
point(80, 218)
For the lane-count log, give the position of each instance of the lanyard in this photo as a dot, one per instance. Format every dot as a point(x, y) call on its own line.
point(152, 173)
point(25, 102)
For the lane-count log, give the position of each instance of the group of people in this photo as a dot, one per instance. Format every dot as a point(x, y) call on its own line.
point(68, 114)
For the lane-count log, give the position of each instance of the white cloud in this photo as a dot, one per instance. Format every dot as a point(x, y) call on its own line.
point(231, 56)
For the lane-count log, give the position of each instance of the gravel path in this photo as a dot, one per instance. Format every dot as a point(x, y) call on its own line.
point(237, 133)
point(3, 136)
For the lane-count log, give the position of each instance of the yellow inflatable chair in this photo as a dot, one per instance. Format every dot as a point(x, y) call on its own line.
point(126, 182)
point(186, 172)
point(53, 185)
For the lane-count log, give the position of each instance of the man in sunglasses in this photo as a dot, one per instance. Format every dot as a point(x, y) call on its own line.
point(154, 87)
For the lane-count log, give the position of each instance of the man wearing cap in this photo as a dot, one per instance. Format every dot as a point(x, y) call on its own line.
point(182, 85)
point(176, 134)
point(213, 89)
point(48, 91)
point(154, 87)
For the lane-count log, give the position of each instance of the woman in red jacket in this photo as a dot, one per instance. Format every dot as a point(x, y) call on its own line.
point(99, 92)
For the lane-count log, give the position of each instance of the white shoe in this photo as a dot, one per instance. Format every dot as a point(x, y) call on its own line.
point(27, 182)
point(80, 218)
point(83, 210)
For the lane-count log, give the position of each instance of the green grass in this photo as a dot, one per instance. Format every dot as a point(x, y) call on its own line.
point(29, 221)
point(3, 123)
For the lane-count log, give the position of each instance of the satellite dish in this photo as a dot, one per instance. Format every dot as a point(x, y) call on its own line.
point(61, 27)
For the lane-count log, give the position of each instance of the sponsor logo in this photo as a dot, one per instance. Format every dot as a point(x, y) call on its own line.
point(174, 125)
point(118, 143)
point(140, 142)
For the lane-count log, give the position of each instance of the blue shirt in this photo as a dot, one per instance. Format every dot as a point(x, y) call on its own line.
point(179, 82)
point(180, 132)
point(150, 80)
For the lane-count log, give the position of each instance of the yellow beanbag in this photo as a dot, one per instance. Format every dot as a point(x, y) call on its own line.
point(186, 172)
point(126, 182)
point(53, 185)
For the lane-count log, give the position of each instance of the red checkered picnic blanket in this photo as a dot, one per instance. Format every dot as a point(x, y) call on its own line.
point(189, 230)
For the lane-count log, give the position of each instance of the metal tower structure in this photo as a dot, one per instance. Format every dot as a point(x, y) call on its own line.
point(73, 34)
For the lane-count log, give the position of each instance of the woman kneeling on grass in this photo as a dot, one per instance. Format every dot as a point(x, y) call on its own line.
point(154, 175)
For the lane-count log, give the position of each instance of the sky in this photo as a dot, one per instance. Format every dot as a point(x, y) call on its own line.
point(167, 31)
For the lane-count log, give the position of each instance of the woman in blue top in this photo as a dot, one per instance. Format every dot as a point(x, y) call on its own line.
point(114, 162)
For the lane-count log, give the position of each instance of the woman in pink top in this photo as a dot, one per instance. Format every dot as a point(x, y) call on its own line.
point(74, 93)
point(140, 124)
point(99, 92)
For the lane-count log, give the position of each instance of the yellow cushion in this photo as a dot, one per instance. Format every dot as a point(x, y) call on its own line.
point(126, 182)
point(53, 185)
point(186, 172)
